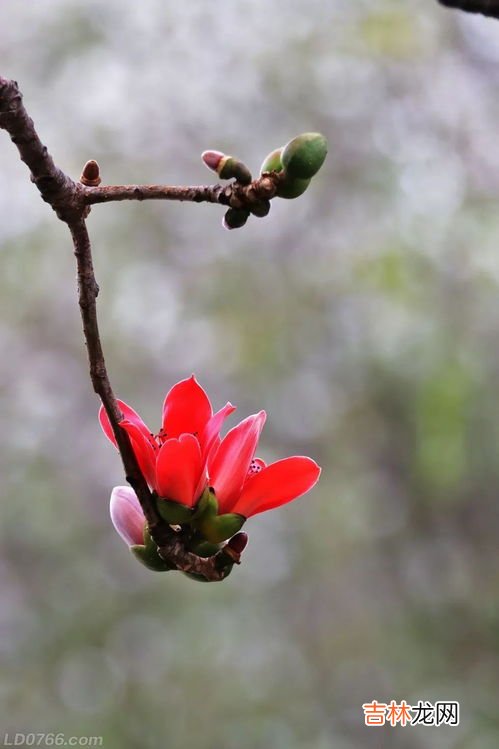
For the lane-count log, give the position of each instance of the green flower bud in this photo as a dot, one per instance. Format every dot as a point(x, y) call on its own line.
point(272, 162)
point(227, 167)
point(261, 208)
point(303, 156)
point(173, 512)
point(231, 168)
point(292, 187)
point(235, 218)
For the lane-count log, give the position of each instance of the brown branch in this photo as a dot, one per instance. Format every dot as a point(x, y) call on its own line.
point(234, 194)
point(71, 201)
point(485, 7)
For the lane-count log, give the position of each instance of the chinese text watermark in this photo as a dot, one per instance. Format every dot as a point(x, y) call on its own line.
point(402, 714)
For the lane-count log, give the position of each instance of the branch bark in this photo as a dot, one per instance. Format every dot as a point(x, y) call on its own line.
point(71, 201)
point(234, 194)
point(485, 7)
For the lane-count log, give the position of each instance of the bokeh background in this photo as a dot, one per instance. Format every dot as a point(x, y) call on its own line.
point(364, 317)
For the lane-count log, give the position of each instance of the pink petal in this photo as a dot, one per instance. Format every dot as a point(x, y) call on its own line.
point(178, 469)
point(126, 515)
point(144, 451)
point(279, 483)
point(186, 409)
point(232, 460)
point(212, 429)
point(129, 414)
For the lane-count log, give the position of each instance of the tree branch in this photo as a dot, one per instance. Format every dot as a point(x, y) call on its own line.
point(485, 7)
point(234, 194)
point(71, 201)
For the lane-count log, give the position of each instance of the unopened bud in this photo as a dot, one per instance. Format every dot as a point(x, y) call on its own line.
point(238, 542)
point(304, 155)
point(235, 218)
point(291, 187)
point(90, 175)
point(212, 159)
point(261, 208)
point(227, 167)
point(272, 162)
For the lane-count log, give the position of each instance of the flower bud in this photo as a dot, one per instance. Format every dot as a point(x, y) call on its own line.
point(212, 159)
point(233, 168)
point(90, 175)
point(260, 209)
point(272, 162)
point(238, 542)
point(227, 167)
point(304, 155)
point(235, 218)
point(292, 187)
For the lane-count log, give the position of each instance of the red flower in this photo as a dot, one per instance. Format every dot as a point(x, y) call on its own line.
point(174, 460)
point(187, 455)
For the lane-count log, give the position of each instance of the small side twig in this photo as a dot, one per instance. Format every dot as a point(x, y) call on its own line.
point(234, 195)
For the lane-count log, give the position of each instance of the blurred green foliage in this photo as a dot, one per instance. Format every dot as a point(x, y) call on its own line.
point(363, 317)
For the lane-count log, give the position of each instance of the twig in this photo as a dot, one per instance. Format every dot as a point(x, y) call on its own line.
point(485, 7)
point(234, 194)
point(71, 201)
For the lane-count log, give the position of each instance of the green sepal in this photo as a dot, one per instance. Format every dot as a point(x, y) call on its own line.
point(173, 512)
point(292, 187)
point(218, 528)
point(150, 558)
point(235, 218)
point(210, 525)
point(304, 155)
point(206, 507)
point(231, 168)
point(204, 548)
point(272, 162)
point(148, 555)
point(206, 503)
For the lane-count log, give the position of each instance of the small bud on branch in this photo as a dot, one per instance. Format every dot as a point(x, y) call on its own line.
point(90, 175)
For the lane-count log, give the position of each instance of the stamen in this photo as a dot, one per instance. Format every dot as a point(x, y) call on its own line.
point(255, 467)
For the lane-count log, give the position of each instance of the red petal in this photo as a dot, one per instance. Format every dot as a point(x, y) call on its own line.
point(127, 516)
point(144, 451)
point(279, 483)
point(178, 469)
point(212, 429)
point(233, 458)
point(186, 409)
point(106, 425)
point(129, 414)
